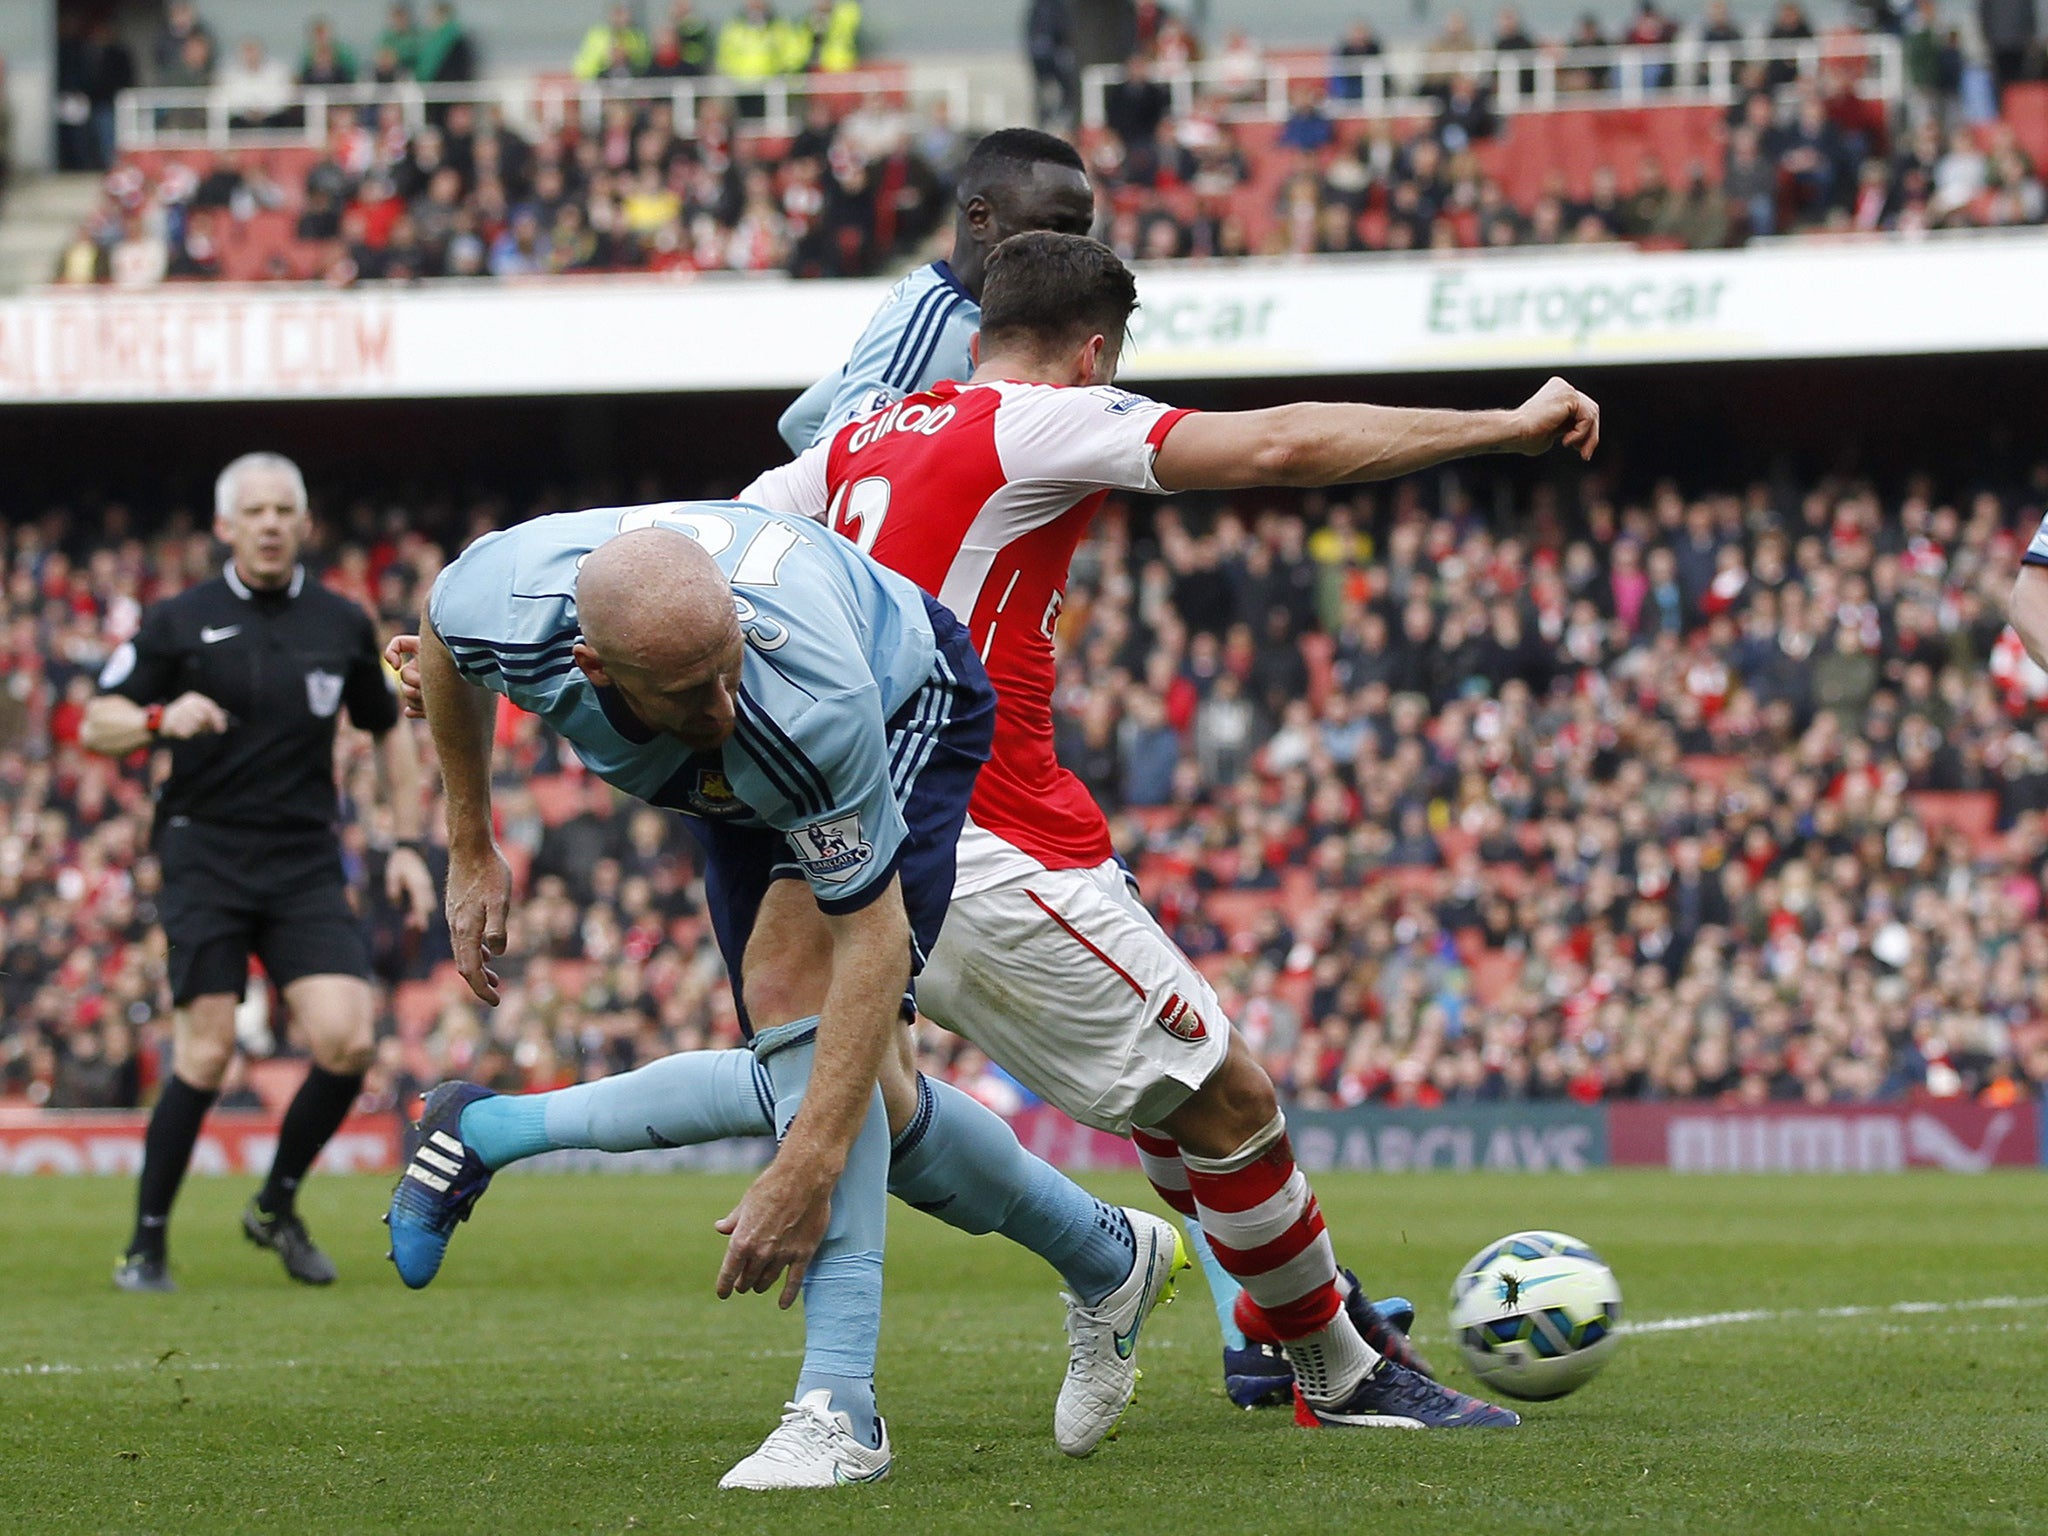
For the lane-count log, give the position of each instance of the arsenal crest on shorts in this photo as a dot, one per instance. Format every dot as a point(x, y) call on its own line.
point(1179, 1019)
point(323, 692)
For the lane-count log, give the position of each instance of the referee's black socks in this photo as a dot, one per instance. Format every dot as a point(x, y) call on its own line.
point(166, 1150)
point(315, 1114)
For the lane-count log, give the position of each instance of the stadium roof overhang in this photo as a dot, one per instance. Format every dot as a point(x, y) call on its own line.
point(1456, 313)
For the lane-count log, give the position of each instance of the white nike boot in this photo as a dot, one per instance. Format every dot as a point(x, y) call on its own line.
point(1102, 1340)
point(813, 1447)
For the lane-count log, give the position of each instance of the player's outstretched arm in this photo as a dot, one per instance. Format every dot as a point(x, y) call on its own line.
point(2028, 611)
point(460, 715)
point(1318, 443)
point(779, 1223)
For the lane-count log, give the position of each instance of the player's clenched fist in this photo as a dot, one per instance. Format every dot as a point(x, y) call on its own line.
point(1558, 414)
point(402, 656)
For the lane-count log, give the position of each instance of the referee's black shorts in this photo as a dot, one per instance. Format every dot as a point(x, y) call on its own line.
point(229, 892)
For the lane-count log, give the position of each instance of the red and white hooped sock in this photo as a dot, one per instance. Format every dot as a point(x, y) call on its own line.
point(1159, 1156)
point(1262, 1220)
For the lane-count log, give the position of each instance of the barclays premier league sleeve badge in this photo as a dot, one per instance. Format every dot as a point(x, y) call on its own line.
point(831, 850)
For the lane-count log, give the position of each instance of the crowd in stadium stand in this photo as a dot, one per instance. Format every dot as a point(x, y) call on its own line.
point(859, 188)
point(1461, 794)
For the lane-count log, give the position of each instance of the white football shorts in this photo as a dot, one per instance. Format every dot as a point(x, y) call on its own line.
point(1066, 982)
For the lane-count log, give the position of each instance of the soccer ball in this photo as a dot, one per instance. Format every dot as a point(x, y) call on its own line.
point(1534, 1314)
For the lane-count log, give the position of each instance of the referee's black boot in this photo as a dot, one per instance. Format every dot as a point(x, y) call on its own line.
point(143, 1272)
point(286, 1236)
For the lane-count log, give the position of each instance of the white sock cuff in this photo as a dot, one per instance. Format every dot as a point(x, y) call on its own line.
point(1260, 1144)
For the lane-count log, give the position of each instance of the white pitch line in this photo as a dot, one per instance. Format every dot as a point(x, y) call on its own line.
point(1793, 1314)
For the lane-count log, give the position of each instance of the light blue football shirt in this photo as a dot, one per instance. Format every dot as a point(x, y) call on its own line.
point(917, 338)
point(835, 646)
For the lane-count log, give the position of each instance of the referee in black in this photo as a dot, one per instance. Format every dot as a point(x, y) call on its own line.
point(242, 677)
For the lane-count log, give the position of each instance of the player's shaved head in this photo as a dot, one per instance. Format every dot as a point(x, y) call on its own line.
point(654, 601)
point(659, 626)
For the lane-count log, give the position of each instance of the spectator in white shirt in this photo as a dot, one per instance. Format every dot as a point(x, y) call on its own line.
point(256, 89)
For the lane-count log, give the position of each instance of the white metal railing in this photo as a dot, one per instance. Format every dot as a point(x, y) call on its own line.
point(1688, 72)
point(534, 104)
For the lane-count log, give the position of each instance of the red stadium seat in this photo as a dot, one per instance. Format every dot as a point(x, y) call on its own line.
point(557, 796)
point(1972, 812)
point(1235, 911)
point(2026, 109)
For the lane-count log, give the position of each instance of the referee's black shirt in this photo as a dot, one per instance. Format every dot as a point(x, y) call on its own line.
point(281, 663)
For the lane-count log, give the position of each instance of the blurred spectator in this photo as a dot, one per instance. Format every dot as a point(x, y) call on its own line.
point(1055, 72)
point(93, 67)
point(751, 44)
point(255, 89)
point(2010, 29)
point(1719, 25)
point(684, 46)
point(1788, 25)
point(835, 37)
point(613, 47)
point(1240, 68)
point(170, 54)
point(1358, 44)
point(398, 45)
point(6, 134)
point(1306, 128)
point(446, 53)
point(1136, 105)
point(327, 61)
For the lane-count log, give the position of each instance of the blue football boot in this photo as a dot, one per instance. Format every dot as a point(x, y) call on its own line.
point(443, 1180)
point(1390, 1396)
point(1258, 1375)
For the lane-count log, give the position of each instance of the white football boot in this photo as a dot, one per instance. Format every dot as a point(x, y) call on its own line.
point(813, 1447)
point(1102, 1340)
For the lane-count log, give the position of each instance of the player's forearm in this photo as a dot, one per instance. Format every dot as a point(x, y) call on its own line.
point(402, 781)
point(114, 726)
point(2029, 611)
point(870, 969)
point(1319, 443)
point(460, 716)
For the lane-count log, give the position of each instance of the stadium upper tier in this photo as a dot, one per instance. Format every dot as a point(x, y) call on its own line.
point(1686, 144)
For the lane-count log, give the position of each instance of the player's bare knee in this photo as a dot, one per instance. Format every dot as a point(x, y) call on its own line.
point(344, 1055)
point(334, 1013)
point(203, 1042)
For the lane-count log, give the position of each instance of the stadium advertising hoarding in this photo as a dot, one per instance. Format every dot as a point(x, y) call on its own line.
point(1958, 1135)
point(1525, 1138)
point(631, 335)
point(91, 1141)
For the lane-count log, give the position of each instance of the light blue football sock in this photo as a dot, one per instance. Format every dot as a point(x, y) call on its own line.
point(1223, 1287)
point(959, 1161)
point(678, 1101)
point(843, 1286)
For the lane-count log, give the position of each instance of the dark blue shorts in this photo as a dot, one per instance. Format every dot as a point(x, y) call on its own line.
point(949, 723)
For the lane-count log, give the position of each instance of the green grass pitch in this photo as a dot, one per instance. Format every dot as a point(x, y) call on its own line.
point(571, 1371)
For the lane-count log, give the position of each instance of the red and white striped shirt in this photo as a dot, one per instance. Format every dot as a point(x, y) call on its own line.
point(979, 494)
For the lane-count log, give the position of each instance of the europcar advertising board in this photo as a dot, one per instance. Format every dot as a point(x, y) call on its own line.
point(1419, 314)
